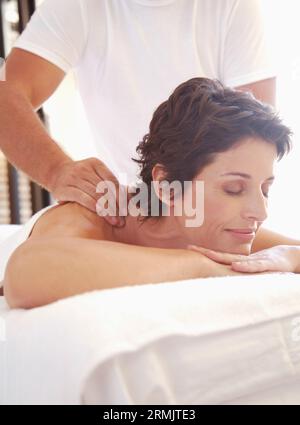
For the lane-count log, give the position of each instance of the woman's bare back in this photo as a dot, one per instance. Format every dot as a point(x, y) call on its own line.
point(71, 220)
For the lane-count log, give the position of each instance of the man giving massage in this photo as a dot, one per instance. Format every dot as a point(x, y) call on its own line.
point(219, 147)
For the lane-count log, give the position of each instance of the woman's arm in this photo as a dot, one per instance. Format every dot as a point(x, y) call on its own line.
point(266, 238)
point(280, 258)
point(44, 270)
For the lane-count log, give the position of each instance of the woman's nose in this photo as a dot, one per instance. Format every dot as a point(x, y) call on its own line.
point(256, 208)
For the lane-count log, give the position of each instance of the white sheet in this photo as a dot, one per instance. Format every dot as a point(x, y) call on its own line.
point(218, 340)
point(7, 230)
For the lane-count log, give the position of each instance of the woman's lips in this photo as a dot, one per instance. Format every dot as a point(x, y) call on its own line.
point(242, 236)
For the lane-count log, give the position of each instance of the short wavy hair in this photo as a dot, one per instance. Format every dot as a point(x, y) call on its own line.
point(200, 119)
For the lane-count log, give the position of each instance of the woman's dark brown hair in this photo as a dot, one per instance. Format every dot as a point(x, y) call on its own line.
point(200, 119)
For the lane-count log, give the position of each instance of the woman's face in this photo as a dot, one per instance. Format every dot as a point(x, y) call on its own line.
point(233, 201)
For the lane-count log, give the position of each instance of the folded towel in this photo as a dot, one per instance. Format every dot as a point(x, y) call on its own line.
point(194, 341)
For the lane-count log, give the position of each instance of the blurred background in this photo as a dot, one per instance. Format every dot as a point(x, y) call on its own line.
point(65, 119)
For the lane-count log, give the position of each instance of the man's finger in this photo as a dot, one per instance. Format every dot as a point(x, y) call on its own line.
point(109, 177)
point(105, 175)
point(88, 188)
point(92, 177)
point(73, 194)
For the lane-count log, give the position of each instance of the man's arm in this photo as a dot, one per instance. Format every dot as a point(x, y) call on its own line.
point(30, 81)
point(42, 271)
point(264, 90)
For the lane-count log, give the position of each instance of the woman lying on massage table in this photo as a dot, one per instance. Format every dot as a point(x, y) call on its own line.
point(204, 133)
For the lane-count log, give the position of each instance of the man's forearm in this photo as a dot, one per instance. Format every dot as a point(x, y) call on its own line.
point(40, 272)
point(24, 140)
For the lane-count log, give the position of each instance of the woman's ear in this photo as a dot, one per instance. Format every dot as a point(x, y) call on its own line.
point(158, 172)
point(159, 183)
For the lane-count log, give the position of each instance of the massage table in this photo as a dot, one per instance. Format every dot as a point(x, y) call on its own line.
point(229, 340)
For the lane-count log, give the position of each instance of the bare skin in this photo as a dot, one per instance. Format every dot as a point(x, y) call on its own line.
point(86, 256)
point(82, 250)
point(31, 80)
point(222, 211)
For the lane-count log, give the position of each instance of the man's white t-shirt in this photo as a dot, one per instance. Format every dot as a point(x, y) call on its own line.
point(128, 57)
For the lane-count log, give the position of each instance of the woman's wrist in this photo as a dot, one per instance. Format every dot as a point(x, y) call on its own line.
point(203, 266)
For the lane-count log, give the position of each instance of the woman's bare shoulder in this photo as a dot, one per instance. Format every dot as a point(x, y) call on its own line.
point(70, 220)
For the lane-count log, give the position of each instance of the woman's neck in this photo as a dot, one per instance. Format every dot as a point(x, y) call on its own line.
point(160, 232)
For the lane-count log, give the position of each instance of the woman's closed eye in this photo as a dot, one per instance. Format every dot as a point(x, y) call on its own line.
point(234, 189)
point(230, 192)
point(266, 195)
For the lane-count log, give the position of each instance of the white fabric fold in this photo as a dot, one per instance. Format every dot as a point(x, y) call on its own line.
point(215, 340)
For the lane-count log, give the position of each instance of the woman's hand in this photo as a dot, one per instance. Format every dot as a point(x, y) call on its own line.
point(280, 258)
point(208, 267)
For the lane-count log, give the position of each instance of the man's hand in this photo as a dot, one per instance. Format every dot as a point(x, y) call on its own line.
point(76, 181)
point(281, 258)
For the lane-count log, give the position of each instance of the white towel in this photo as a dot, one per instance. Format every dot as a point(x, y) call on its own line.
point(195, 341)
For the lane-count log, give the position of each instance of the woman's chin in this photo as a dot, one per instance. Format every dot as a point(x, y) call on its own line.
point(234, 248)
point(241, 249)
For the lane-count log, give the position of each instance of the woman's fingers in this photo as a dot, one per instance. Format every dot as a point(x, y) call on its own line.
point(252, 266)
point(271, 260)
point(220, 257)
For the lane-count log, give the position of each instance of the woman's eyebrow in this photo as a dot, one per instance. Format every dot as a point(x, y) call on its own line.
point(246, 176)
